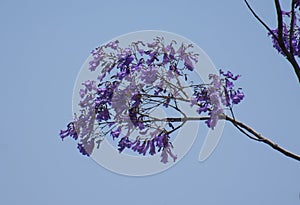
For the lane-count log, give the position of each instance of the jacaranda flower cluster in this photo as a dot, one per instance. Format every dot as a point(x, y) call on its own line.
point(132, 82)
point(290, 32)
point(216, 96)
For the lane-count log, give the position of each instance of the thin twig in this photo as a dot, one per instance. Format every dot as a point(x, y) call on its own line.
point(260, 20)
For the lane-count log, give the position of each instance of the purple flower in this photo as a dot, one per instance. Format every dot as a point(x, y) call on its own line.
point(229, 84)
point(105, 94)
point(138, 66)
point(275, 42)
point(157, 90)
point(188, 63)
point(87, 101)
point(124, 53)
point(116, 133)
point(124, 143)
point(136, 99)
point(149, 75)
point(101, 77)
point(165, 59)
point(140, 51)
point(136, 145)
point(193, 101)
point(93, 65)
point(214, 117)
point(152, 45)
point(86, 147)
point(135, 120)
point(82, 92)
point(164, 155)
point(286, 38)
point(203, 107)
point(114, 44)
point(70, 131)
point(97, 57)
point(162, 140)
point(216, 108)
point(173, 69)
point(145, 148)
point(82, 150)
point(286, 13)
point(220, 91)
point(169, 151)
point(167, 102)
point(127, 106)
point(236, 96)
point(225, 99)
point(152, 147)
point(103, 114)
point(201, 98)
point(172, 53)
point(140, 148)
point(229, 75)
point(90, 85)
point(121, 75)
point(124, 62)
point(152, 57)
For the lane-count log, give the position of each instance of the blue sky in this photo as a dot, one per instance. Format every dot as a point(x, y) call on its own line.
point(44, 44)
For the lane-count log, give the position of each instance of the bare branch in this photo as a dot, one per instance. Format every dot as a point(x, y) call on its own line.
point(263, 139)
point(245, 129)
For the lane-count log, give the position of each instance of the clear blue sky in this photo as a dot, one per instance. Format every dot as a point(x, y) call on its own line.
point(44, 44)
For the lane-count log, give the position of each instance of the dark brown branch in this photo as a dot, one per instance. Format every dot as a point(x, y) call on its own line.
point(263, 139)
point(280, 26)
point(179, 119)
point(290, 57)
point(244, 129)
point(292, 27)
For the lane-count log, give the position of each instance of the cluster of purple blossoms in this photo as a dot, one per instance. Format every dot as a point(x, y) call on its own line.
point(159, 143)
point(98, 55)
point(290, 33)
point(216, 96)
point(132, 83)
point(70, 131)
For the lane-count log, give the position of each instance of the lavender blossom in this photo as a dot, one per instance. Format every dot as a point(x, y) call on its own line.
point(133, 81)
point(290, 34)
point(70, 131)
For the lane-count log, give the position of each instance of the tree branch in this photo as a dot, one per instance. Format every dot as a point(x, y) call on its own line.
point(245, 129)
point(260, 20)
point(290, 57)
point(292, 27)
point(280, 26)
point(263, 139)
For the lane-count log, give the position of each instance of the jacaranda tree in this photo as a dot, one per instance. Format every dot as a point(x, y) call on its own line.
point(134, 80)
